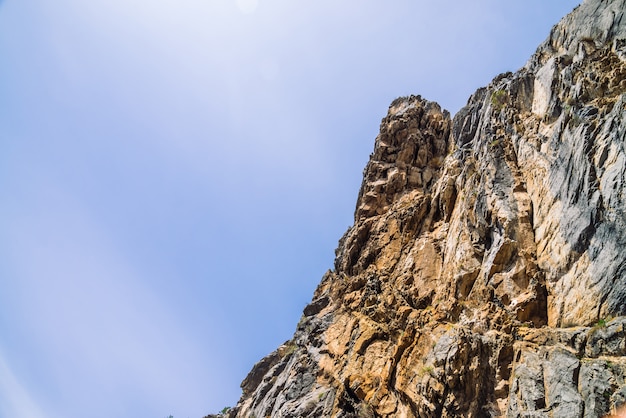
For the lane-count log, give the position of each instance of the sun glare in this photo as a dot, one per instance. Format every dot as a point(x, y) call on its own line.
point(247, 6)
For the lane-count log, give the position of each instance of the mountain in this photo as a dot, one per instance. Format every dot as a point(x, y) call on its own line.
point(485, 274)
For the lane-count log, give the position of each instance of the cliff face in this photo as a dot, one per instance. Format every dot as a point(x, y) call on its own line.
point(485, 274)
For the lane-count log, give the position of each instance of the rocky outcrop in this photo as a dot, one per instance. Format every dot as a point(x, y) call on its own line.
point(485, 274)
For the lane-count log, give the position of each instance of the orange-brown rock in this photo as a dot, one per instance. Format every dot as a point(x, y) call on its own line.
point(485, 274)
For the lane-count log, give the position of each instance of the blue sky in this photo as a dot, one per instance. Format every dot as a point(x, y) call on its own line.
point(176, 174)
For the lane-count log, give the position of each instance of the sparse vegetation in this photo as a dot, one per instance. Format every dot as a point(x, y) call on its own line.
point(494, 143)
point(601, 323)
point(499, 99)
point(428, 370)
point(291, 348)
point(574, 117)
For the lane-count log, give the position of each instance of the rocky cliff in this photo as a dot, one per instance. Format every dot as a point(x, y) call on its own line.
point(485, 274)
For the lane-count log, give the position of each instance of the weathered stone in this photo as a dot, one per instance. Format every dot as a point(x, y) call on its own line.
point(596, 388)
point(561, 371)
point(487, 255)
point(527, 396)
point(607, 338)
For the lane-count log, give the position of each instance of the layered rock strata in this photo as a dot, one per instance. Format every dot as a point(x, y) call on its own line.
point(485, 274)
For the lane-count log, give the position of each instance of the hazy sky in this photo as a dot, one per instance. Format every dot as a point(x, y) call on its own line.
point(175, 176)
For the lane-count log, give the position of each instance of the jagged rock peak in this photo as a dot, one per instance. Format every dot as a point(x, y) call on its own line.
point(485, 273)
point(408, 154)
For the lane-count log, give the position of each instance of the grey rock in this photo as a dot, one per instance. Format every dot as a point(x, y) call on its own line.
point(596, 387)
point(561, 371)
point(608, 339)
point(527, 396)
point(487, 255)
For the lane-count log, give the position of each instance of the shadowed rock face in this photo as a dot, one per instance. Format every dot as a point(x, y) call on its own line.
point(487, 256)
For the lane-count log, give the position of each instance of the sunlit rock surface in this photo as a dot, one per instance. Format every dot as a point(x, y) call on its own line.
point(485, 274)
